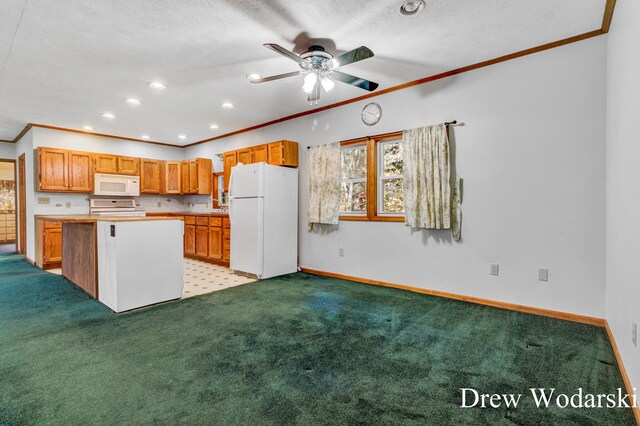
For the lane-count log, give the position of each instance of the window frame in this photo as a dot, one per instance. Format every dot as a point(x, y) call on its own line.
point(372, 214)
point(380, 178)
point(345, 147)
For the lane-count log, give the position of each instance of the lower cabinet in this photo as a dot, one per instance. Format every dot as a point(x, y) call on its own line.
point(48, 244)
point(207, 238)
point(189, 239)
point(215, 243)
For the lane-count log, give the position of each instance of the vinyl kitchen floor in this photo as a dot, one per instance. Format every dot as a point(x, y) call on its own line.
point(201, 278)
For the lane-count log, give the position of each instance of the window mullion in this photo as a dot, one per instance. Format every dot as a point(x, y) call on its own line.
point(371, 178)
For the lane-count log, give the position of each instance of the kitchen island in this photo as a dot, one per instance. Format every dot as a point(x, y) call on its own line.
point(124, 262)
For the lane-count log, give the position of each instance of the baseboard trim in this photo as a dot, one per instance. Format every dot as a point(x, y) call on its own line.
point(471, 299)
point(30, 260)
point(623, 371)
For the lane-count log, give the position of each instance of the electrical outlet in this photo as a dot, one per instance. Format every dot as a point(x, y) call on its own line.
point(543, 274)
point(494, 268)
point(634, 333)
point(159, 204)
point(67, 204)
point(341, 252)
point(44, 200)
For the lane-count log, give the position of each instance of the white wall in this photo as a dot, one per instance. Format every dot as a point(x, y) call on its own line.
point(7, 150)
point(532, 158)
point(623, 176)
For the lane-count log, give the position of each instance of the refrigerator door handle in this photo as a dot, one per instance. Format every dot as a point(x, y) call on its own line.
point(230, 211)
point(230, 184)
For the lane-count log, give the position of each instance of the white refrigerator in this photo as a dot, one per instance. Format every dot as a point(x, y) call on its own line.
point(263, 209)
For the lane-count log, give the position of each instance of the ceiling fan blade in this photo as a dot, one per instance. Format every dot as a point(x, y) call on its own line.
point(286, 53)
point(275, 77)
point(354, 81)
point(315, 95)
point(352, 56)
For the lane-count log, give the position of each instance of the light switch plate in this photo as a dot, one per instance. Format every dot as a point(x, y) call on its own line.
point(494, 269)
point(44, 200)
point(543, 274)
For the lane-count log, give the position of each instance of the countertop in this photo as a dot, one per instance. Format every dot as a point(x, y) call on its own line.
point(156, 214)
point(92, 218)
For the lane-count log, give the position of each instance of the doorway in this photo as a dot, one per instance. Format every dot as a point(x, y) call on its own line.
point(8, 209)
point(22, 200)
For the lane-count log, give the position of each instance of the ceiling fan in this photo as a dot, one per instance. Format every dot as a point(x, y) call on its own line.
point(319, 68)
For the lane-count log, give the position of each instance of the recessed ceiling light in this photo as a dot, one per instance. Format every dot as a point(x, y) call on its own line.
point(108, 115)
point(145, 136)
point(411, 7)
point(227, 105)
point(157, 85)
point(87, 127)
point(253, 76)
point(213, 126)
point(182, 136)
point(133, 101)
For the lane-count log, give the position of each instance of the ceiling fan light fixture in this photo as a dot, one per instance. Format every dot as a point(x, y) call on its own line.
point(309, 82)
point(327, 84)
point(253, 76)
point(411, 7)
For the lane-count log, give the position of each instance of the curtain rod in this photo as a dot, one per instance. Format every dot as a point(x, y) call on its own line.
point(448, 123)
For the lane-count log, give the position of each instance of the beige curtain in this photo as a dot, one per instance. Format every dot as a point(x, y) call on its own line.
point(324, 184)
point(426, 173)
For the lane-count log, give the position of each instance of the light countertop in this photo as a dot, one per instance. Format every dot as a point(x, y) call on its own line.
point(92, 218)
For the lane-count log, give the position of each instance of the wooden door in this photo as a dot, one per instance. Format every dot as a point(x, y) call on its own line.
point(202, 240)
point(184, 172)
point(129, 166)
point(275, 153)
point(244, 156)
point(193, 176)
point(80, 171)
point(204, 168)
point(190, 239)
point(22, 202)
point(106, 163)
point(259, 154)
point(52, 244)
point(230, 160)
point(53, 169)
point(171, 178)
point(215, 242)
point(150, 176)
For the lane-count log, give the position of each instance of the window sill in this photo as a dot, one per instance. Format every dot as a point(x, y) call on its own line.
point(373, 218)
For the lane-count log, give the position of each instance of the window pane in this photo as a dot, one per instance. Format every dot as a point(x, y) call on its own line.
point(392, 196)
point(392, 159)
point(354, 163)
point(353, 197)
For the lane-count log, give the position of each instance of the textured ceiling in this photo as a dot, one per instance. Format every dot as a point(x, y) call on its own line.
point(64, 63)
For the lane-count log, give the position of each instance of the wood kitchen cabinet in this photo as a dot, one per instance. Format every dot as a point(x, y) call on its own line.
point(207, 239)
point(170, 177)
point(196, 176)
point(244, 156)
point(260, 154)
point(150, 176)
point(189, 239)
point(48, 244)
point(230, 160)
point(106, 163)
point(80, 171)
point(202, 241)
point(283, 153)
point(53, 169)
point(129, 166)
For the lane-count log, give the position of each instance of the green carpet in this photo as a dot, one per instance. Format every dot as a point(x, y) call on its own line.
point(300, 349)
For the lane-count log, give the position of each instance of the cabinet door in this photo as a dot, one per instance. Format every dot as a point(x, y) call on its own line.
point(204, 168)
point(259, 154)
point(230, 160)
point(184, 172)
point(215, 243)
point(52, 245)
point(53, 169)
point(150, 176)
point(202, 240)
point(171, 178)
point(189, 239)
point(129, 166)
point(106, 163)
point(276, 154)
point(244, 156)
point(80, 171)
point(193, 176)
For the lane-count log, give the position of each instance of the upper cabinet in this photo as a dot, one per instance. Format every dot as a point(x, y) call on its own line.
point(280, 153)
point(196, 176)
point(61, 170)
point(150, 176)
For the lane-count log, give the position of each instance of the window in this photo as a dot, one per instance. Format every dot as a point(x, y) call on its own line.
point(390, 177)
point(353, 184)
point(371, 181)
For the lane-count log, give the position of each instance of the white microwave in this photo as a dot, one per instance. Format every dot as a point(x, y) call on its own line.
point(116, 185)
